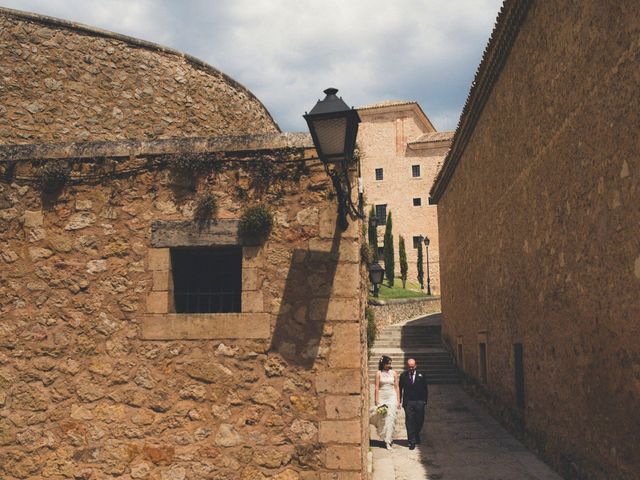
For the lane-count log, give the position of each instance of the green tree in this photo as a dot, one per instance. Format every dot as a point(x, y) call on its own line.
point(404, 267)
point(419, 265)
point(373, 234)
point(389, 261)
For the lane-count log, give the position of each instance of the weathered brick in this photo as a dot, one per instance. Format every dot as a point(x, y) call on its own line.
point(158, 302)
point(338, 381)
point(340, 431)
point(341, 457)
point(159, 259)
point(343, 406)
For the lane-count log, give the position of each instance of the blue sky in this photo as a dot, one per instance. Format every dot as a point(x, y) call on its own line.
point(287, 51)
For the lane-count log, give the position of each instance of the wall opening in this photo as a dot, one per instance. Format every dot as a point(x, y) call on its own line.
point(460, 354)
point(518, 355)
point(207, 280)
point(482, 361)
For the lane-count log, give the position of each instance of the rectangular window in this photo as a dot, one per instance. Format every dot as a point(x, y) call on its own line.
point(379, 174)
point(416, 241)
point(381, 253)
point(460, 356)
point(381, 214)
point(415, 170)
point(417, 202)
point(482, 362)
point(518, 356)
point(207, 280)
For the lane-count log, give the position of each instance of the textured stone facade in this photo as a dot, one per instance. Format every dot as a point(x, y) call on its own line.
point(395, 136)
point(390, 312)
point(68, 83)
point(100, 377)
point(539, 233)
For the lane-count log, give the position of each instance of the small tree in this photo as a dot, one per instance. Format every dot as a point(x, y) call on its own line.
point(404, 267)
point(389, 261)
point(373, 235)
point(419, 265)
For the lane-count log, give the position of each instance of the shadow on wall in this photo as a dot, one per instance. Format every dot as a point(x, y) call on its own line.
point(305, 303)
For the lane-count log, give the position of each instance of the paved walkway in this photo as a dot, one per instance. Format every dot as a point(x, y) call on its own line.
point(460, 441)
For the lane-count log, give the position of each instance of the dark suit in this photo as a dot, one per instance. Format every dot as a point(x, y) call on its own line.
point(414, 400)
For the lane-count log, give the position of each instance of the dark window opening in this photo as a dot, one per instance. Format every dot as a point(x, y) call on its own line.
point(518, 356)
point(415, 170)
point(207, 280)
point(381, 214)
point(417, 202)
point(483, 362)
point(379, 174)
point(417, 241)
point(460, 357)
point(381, 253)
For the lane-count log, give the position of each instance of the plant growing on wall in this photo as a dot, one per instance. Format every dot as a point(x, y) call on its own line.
point(389, 261)
point(206, 209)
point(256, 223)
point(372, 233)
point(404, 267)
point(191, 164)
point(52, 176)
point(419, 265)
point(371, 327)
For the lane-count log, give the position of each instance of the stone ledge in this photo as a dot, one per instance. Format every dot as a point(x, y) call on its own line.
point(400, 301)
point(205, 326)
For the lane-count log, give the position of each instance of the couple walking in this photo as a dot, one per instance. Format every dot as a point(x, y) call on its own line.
point(409, 390)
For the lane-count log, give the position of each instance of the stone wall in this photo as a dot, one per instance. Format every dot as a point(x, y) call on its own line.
point(65, 82)
point(390, 312)
point(99, 379)
point(539, 238)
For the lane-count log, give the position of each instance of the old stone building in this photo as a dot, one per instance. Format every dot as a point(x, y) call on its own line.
point(539, 207)
point(401, 155)
point(148, 327)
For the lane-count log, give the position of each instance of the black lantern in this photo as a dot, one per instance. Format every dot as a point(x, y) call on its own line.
point(376, 272)
point(334, 127)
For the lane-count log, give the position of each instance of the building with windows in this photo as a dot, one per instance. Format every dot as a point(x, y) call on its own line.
point(146, 329)
point(401, 153)
point(539, 209)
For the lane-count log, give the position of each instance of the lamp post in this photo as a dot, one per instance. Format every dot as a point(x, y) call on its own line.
point(334, 127)
point(426, 243)
point(375, 276)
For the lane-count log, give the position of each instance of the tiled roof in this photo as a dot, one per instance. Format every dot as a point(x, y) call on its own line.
point(433, 137)
point(387, 103)
point(510, 19)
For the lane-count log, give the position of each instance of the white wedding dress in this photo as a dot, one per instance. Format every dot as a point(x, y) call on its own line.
point(385, 424)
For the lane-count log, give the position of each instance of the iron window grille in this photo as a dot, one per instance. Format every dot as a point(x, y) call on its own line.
point(379, 174)
point(415, 170)
point(417, 202)
point(207, 280)
point(417, 240)
point(381, 214)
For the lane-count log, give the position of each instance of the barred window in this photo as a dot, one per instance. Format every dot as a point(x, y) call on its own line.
point(415, 170)
point(379, 174)
point(417, 240)
point(207, 280)
point(381, 214)
point(417, 202)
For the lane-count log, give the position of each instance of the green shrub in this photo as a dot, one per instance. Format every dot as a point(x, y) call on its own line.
point(256, 222)
point(371, 326)
point(389, 256)
point(191, 164)
point(404, 266)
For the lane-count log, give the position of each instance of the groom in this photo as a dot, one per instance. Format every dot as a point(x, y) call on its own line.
point(414, 394)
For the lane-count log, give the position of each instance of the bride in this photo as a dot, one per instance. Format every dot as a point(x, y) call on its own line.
point(387, 392)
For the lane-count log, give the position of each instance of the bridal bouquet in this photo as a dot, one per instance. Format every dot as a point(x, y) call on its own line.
point(382, 409)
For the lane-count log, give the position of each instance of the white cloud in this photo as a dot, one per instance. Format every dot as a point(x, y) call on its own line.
point(288, 51)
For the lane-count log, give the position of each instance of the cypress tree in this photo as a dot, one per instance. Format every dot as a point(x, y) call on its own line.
point(419, 265)
point(373, 235)
point(389, 261)
point(404, 267)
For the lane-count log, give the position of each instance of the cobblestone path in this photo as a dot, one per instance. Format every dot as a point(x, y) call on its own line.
point(460, 441)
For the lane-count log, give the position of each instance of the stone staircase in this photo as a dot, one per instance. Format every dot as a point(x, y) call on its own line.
point(420, 339)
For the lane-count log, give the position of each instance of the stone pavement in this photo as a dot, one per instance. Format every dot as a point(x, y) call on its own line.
point(460, 441)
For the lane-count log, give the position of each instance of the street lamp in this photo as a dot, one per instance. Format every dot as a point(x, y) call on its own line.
point(376, 273)
point(334, 127)
point(426, 243)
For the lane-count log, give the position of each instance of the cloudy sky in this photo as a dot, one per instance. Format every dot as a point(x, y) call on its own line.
point(287, 51)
